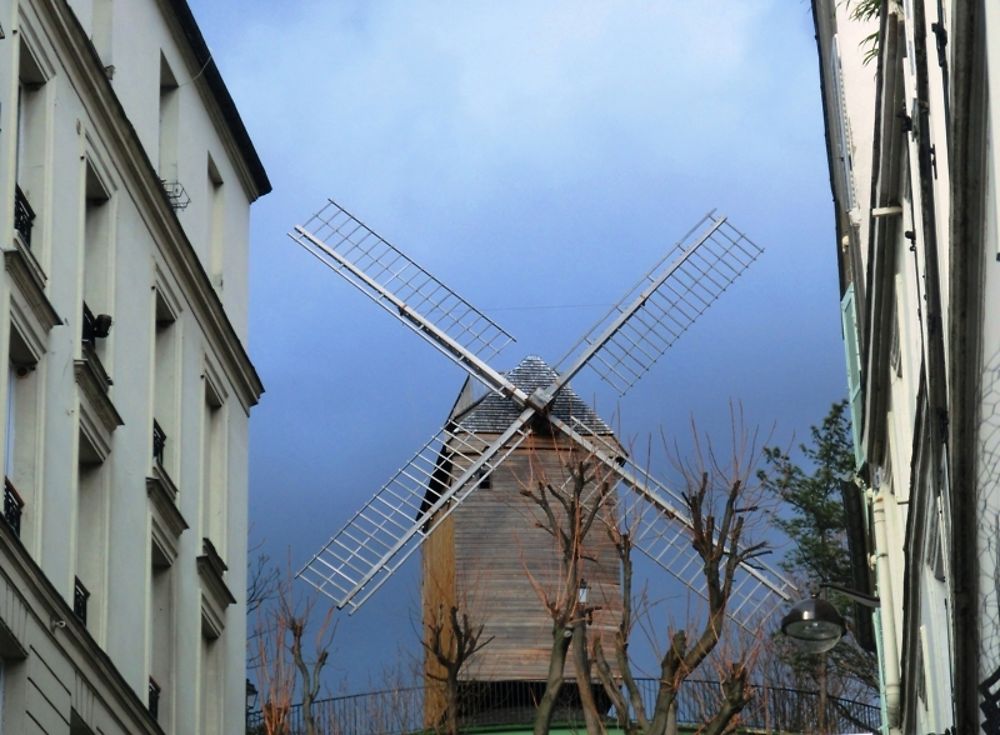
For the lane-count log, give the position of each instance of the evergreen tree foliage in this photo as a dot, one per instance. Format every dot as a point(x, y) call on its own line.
point(815, 522)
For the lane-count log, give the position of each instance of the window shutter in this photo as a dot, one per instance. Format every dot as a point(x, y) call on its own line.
point(853, 357)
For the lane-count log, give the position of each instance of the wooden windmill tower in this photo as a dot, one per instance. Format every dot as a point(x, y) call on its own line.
point(490, 559)
point(456, 464)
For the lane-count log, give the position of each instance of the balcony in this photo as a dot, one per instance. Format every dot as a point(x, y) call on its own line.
point(159, 443)
point(80, 597)
point(154, 699)
point(24, 216)
point(12, 507)
point(176, 194)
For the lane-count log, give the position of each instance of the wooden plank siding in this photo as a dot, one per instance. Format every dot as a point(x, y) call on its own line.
point(485, 556)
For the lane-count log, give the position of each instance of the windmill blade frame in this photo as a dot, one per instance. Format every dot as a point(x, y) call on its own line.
point(668, 299)
point(368, 549)
point(758, 588)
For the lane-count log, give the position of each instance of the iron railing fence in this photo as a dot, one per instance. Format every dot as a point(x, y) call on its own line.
point(401, 711)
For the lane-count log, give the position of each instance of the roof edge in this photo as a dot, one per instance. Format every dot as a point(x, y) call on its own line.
point(213, 78)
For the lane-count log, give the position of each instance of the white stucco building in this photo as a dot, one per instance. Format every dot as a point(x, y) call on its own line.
point(914, 171)
point(126, 178)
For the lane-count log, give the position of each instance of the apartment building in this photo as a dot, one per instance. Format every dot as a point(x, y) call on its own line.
point(126, 177)
point(911, 99)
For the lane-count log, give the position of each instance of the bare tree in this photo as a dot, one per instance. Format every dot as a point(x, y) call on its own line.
point(718, 500)
point(286, 663)
point(567, 514)
point(451, 639)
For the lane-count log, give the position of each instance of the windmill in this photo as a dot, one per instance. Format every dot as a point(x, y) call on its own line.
point(621, 348)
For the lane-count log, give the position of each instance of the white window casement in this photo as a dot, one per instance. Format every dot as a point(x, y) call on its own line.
point(30, 153)
point(216, 226)
point(214, 486)
point(23, 427)
point(212, 664)
point(844, 145)
point(162, 681)
point(91, 540)
point(98, 260)
point(102, 25)
point(165, 375)
point(169, 134)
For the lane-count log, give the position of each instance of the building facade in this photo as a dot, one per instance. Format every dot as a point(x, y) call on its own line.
point(126, 178)
point(911, 99)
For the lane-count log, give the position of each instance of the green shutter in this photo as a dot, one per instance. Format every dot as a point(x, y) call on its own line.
point(852, 355)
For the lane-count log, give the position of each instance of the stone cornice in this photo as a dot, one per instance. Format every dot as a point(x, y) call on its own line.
point(216, 596)
point(34, 313)
point(143, 184)
point(98, 415)
point(168, 523)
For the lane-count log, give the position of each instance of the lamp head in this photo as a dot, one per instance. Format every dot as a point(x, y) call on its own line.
point(815, 624)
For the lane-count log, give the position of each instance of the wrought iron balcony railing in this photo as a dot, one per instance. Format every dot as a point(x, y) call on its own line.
point(176, 194)
point(13, 506)
point(80, 597)
point(159, 442)
point(154, 698)
point(24, 216)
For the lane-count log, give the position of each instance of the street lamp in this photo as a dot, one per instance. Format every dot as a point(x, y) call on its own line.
point(816, 625)
point(583, 594)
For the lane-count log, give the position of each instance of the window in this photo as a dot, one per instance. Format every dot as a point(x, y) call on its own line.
point(20, 442)
point(166, 382)
point(91, 536)
point(214, 457)
point(96, 310)
point(102, 22)
point(161, 626)
point(844, 146)
point(216, 221)
point(29, 154)
point(169, 133)
point(169, 122)
point(211, 685)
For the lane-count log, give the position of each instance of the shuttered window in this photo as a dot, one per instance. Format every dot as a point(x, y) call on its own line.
point(852, 355)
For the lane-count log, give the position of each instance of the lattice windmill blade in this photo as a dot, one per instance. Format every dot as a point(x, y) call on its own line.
point(665, 302)
point(362, 556)
point(661, 527)
point(402, 287)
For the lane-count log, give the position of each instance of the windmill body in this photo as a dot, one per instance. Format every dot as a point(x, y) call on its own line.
point(490, 559)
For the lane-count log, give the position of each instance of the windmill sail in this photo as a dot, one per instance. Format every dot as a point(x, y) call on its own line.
point(399, 285)
point(660, 528)
point(362, 556)
point(663, 304)
point(621, 347)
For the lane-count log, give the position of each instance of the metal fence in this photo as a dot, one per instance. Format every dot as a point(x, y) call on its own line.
point(401, 711)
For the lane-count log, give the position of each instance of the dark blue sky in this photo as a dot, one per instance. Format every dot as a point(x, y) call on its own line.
point(538, 158)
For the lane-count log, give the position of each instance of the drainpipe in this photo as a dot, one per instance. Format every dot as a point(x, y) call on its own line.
point(890, 652)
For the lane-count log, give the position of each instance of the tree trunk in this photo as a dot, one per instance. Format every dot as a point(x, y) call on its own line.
point(451, 713)
point(591, 717)
point(557, 661)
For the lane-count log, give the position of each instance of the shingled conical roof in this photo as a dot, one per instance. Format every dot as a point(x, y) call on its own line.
point(493, 413)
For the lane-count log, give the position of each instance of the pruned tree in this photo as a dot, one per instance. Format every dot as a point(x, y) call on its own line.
point(719, 501)
point(567, 514)
point(451, 638)
point(289, 667)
